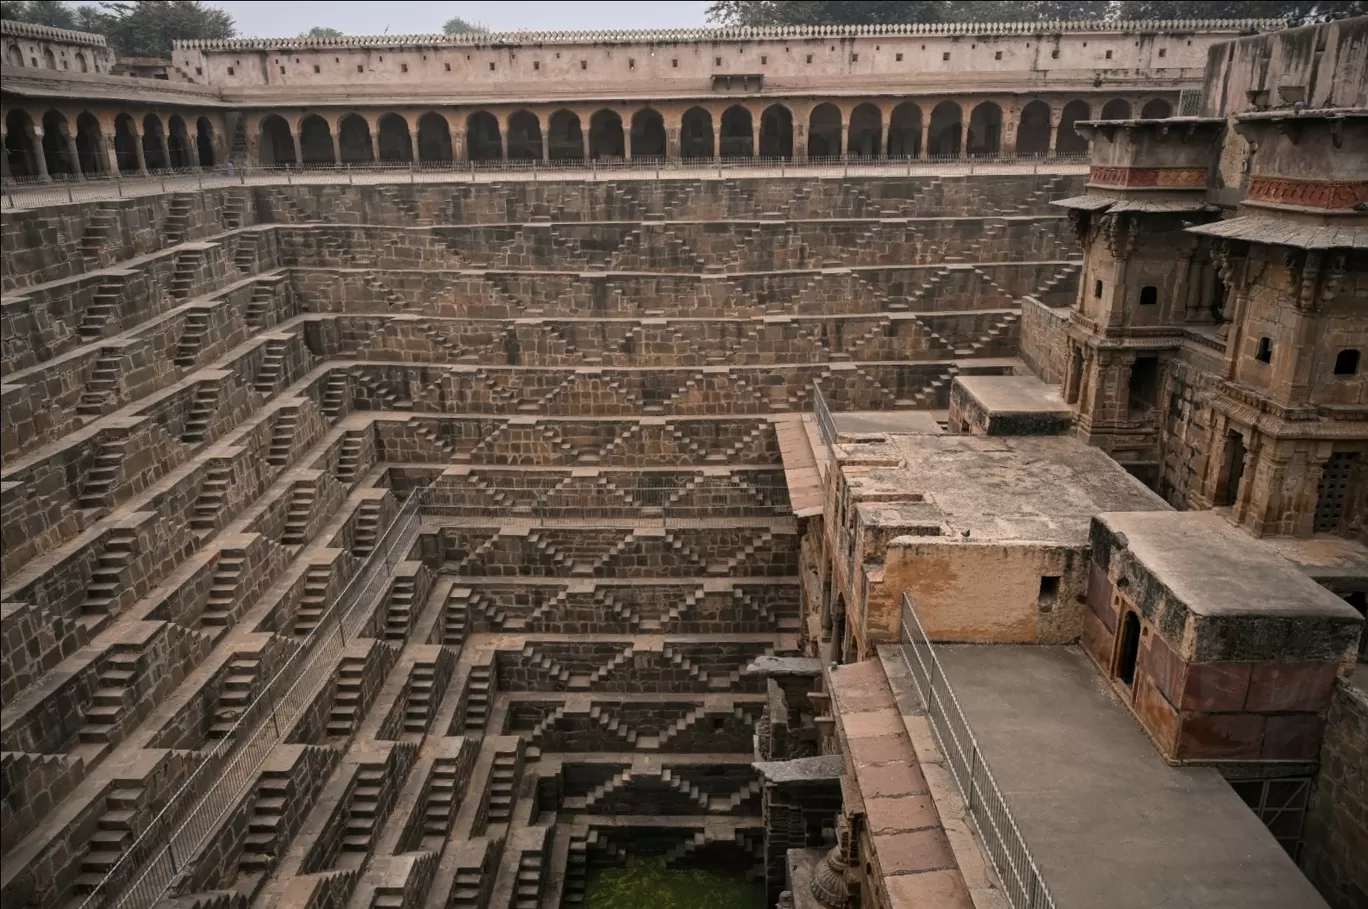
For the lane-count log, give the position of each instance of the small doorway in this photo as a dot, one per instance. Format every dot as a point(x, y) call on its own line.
point(1229, 491)
point(1333, 493)
point(1128, 652)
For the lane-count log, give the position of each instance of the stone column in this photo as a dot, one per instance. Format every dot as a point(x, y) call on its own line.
point(458, 146)
point(546, 144)
point(335, 135)
point(886, 135)
point(1055, 117)
point(964, 135)
point(627, 141)
point(503, 141)
point(755, 134)
point(39, 158)
point(672, 143)
point(75, 156)
point(165, 145)
point(845, 135)
point(584, 137)
point(375, 140)
point(717, 138)
point(111, 154)
point(298, 147)
point(925, 136)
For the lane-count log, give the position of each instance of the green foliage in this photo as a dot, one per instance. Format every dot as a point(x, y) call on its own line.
point(458, 26)
point(142, 29)
point(320, 31)
point(891, 12)
point(646, 884)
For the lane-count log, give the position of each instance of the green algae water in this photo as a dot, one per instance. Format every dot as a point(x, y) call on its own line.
point(645, 884)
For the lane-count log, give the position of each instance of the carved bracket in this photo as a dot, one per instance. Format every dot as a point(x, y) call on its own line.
point(1122, 232)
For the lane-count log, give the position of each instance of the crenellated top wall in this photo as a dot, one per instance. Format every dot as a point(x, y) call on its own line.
point(42, 47)
point(688, 62)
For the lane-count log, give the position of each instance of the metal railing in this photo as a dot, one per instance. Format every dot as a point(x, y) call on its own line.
point(196, 810)
point(1016, 868)
point(826, 424)
point(23, 192)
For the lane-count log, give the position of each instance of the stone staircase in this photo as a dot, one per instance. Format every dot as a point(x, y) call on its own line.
point(176, 227)
point(477, 699)
point(363, 812)
point(223, 589)
point(235, 694)
point(400, 608)
point(346, 705)
point(109, 578)
point(103, 476)
point(367, 528)
point(503, 780)
point(283, 435)
point(260, 846)
point(303, 499)
point(113, 686)
point(102, 387)
point(202, 409)
point(349, 458)
point(114, 834)
point(100, 225)
point(527, 886)
point(191, 340)
point(313, 602)
point(103, 308)
point(272, 371)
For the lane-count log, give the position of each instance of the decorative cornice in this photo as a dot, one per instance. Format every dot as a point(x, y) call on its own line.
point(1335, 195)
point(11, 29)
point(675, 35)
point(1148, 177)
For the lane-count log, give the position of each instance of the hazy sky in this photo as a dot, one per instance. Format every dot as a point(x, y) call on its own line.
point(260, 19)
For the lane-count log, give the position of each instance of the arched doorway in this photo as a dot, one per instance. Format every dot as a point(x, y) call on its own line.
point(824, 132)
point(154, 143)
point(49, 58)
point(315, 140)
point(605, 136)
point(866, 132)
point(1156, 109)
point(354, 140)
point(204, 141)
point(776, 132)
point(483, 139)
point(14, 56)
point(178, 142)
point(696, 134)
point(1033, 132)
point(1067, 139)
point(985, 130)
point(738, 133)
point(89, 144)
point(20, 146)
point(125, 144)
point(904, 131)
point(81, 65)
point(1116, 109)
point(434, 139)
point(396, 145)
point(56, 152)
point(648, 134)
point(277, 145)
point(524, 137)
point(565, 136)
point(947, 123)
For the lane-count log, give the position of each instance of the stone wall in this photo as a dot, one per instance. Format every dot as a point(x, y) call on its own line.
point(1335, 842)
point(1044, 347)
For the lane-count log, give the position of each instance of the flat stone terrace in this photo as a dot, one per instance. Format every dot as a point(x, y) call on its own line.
point(215, 404)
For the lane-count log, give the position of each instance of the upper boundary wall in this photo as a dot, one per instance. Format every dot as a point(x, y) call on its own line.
point(676, 35)
point(12, 29)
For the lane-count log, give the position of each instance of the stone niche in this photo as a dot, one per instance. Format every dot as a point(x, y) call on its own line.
point(1226, 652)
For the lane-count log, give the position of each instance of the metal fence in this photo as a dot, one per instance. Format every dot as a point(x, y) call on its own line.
point(31, 192)
point(196, 810)
point(1016, 868)
point(826, 424)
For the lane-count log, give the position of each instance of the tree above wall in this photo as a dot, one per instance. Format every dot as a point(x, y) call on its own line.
point(142, 29)
point(321, 31)
point(893, 12)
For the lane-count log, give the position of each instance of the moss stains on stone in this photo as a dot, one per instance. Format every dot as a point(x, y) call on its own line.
point(648, 885)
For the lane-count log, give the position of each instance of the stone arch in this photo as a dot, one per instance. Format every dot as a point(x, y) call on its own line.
point(648, 134)
point(605, 135)
point(277, 144)
point(824, 131)
point(81, 64)
point(1033, 131)
point(89, 144)
point(354, 140)
point(985, 130)
point(1156, 109)
point(125, 144)
point(776, 132)
point(865, 139)
point(178, 142)
point(154, 143)
point(49, 58)
point(524, 136)
point(565, 136)
point(20, 145)
point(484, 142)
point(904, 131)
point(696, 134)
point(14, 56)
point(947, 122)
point(396, 143)
point(434, 139)
point(56, 152)
point(1116, 109)
point(315, 141)
point(204, 141)
point(1067, 139)
point(738, 133)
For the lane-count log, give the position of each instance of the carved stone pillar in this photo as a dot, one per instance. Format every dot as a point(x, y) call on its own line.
point(75, 156)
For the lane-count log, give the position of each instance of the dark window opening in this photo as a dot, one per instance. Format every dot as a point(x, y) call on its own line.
point(360, 68)
point(536, 65)
point(719, 724)
point(1346, 362)
point(1144, 387)
point(1163, 52)
point(316, 68)
point(1049, 591)
point(403, 67)
point(631, 63)
point(230, 70)
point(1130, 649)
point(1265, 352)
point(945, 56)
point(1054, 54)
point(1149, 295)
point(1335, 492)
point(717, 61)
point(898, 57)
point(1229, 491)
point(997, 55)
point(854, 58)
point(1097, 289)
point(1109, 55)
point(763, 59)
point(584, 64)
point(448, 67)
point(809, 58)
